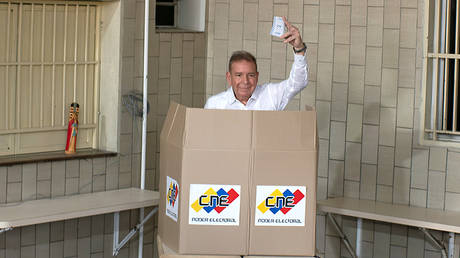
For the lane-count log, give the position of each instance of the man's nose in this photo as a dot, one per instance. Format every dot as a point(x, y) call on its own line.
point(245, 78)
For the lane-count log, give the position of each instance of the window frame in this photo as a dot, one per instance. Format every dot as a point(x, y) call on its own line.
point(105, 133)
point(430, 111)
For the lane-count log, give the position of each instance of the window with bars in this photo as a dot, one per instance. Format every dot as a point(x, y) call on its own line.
point(441, 119)
point(49, 58)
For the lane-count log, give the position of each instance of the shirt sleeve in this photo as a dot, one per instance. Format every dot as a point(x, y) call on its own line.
point(282, 92)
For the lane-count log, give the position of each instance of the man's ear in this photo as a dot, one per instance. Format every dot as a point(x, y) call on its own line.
point(229, 78)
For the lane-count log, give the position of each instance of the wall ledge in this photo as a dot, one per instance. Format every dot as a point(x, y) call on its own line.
point(53, 156)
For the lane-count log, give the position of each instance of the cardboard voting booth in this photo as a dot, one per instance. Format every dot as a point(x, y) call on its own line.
point(238, 182)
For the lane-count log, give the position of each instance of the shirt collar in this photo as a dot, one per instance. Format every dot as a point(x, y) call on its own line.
point(232, 99)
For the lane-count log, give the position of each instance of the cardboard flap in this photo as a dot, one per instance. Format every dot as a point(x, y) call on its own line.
point(168, 120)
point(285, 130)
point(218, 129)
point(173, 127)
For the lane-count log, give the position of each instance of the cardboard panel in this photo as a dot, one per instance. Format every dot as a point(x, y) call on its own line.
point(218, 129)
point(215, 167)
point(169, 120)
point(171, 166)
point(284, 168)
point(282, 130)
point(177, 130)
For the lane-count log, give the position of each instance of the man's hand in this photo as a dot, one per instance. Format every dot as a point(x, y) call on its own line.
point(292, 36)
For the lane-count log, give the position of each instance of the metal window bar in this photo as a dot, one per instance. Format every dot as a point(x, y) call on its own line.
point(31, 50)
point(42, 68)
point(444, 77)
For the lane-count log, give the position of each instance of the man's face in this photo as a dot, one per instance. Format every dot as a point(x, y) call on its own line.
point(243, 79)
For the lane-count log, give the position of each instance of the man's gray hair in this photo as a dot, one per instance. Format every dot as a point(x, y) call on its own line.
point(241, 55)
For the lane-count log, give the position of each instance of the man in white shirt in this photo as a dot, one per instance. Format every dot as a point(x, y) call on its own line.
point(245, 94)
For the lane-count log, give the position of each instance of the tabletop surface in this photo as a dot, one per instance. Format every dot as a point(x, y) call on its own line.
point(74, 206)
point(442, 220)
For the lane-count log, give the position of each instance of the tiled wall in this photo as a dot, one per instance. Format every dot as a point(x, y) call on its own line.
point(176, 72)
point(365, 61)
point(83, 237)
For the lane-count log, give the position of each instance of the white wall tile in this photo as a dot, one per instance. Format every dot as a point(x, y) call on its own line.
point(401, 185)
point(341, 63)
point(405, 109)
point(410, 3)
point(453, 177)
point(371, 105)
point(419, 177)
point(436, 189)
point(359, 12)
point(221, 23)
point(389, 87)
point(236, 7)
point(387, 126)
point(368, 182)
point(403, 147)
point(382, 239)
point(390, 48)
point(324, 83)
point(374, 26)
point(280, 9)
point(391, 13)
point(320, 232)
point(339, 102)
point(385, 165)
point(353, 161)
point(356, 85)
point(323, 111)
point(321, 192)
point(384, 193)
point(407, 68)
point(358, 45)
point(335, 180)
point(295, 11)
point(323, 158)
point(373, 66)
point(326, 11)
point(370, 144)
point(312, 61)
point(311, 23)
point(337, 141)
point(326, 43)
point(351, 189)
point(250, 21)
point(265, 10)
point(452, 201)
point(438, 158)
point(278, 65)
point(176, 44)
point(264, 46)
point(332, 247)
point(408, 28)
point(342, 24)
point(354, 123)
point(415, 243)
point(418, 197)
point(235, 29)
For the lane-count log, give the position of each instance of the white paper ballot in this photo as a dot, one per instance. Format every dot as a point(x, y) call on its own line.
point(278, 28)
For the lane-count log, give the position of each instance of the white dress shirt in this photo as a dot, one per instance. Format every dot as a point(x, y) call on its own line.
point(269, 96)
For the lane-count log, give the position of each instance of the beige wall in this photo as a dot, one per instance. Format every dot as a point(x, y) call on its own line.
point(176, 72)
point(365, 73)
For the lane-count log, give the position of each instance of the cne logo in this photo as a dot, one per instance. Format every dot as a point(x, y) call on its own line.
point(278, 201)
point(172, 193)
point(212, 200)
